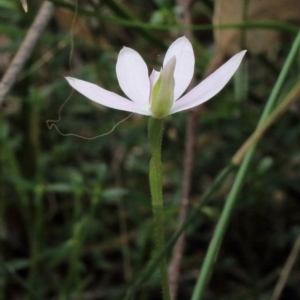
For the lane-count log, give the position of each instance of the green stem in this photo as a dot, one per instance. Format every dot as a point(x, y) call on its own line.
point(194, 218)
point(231, 198)
point(134, 23)
point(155, 176)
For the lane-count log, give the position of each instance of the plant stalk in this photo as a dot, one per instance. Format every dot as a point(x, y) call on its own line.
point(155, 176)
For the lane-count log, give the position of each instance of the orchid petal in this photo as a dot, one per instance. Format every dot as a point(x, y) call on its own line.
point(106, 98)
point(185, 62)
point(132, 73)
point(210, 86)
point(153, 78)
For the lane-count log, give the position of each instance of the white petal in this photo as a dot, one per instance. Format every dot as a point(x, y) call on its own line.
point(132, 73)
point(107, 98)
point(185, 63)
point(210, 86)
point(153, 78)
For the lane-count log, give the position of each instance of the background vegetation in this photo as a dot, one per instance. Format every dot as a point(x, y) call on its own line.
point(75, 214)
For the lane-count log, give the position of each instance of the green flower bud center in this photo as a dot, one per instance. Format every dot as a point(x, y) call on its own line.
point(162, 94)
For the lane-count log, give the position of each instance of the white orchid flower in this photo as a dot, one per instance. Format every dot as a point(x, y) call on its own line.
point(159, 94)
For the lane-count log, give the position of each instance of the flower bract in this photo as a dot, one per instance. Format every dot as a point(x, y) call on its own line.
point(159, 94)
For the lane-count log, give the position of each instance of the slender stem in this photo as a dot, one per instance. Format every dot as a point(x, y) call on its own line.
point(155, 176)
point(126, 22)
point(216, 240)
point(215, 243)
point(194, 217)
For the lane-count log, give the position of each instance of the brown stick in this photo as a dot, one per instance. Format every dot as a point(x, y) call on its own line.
point(292, 96)
point(286, 270)
point(191, 131)
point(26, 48)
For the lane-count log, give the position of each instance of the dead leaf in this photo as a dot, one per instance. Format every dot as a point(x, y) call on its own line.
point(230, 41)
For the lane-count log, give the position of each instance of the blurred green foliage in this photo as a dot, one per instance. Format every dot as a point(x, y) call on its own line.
point(75, 214)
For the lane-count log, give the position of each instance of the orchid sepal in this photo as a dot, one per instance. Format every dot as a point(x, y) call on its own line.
point(159, 94)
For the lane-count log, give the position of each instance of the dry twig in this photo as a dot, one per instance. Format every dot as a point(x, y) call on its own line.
point(191, 131)
point(26, 48)
point(284, 275)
